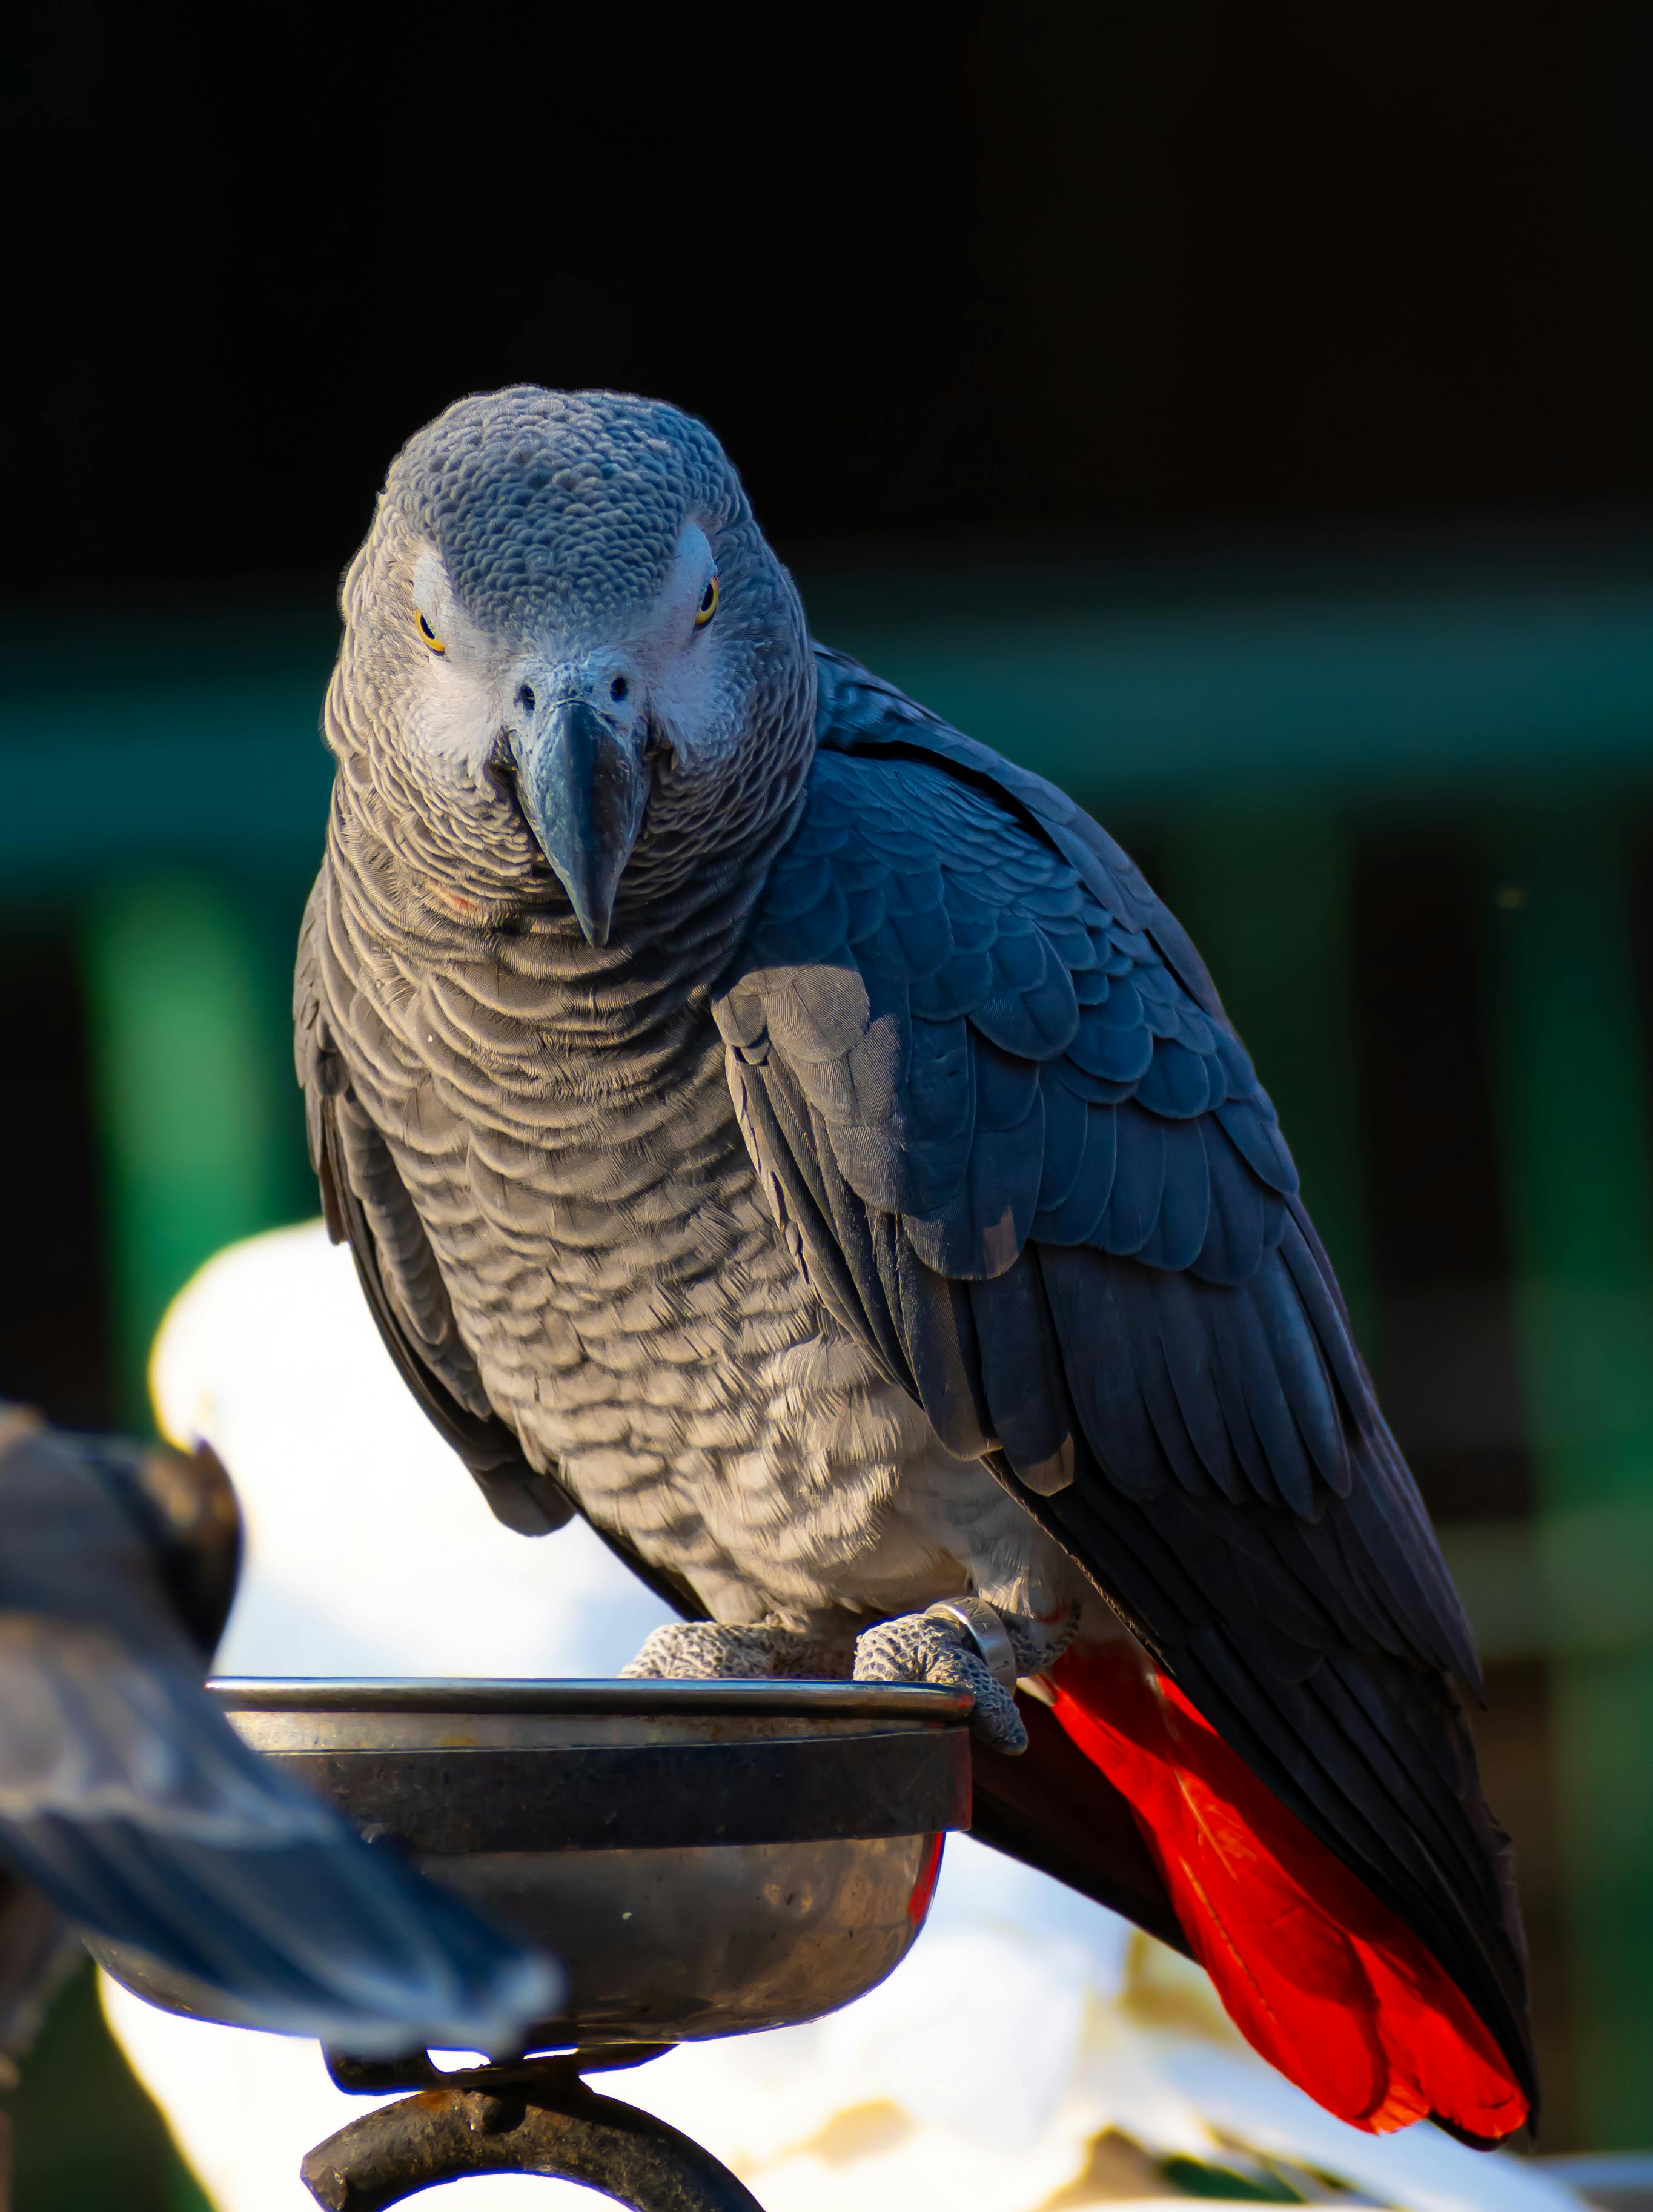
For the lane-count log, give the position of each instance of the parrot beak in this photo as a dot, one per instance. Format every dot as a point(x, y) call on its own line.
point(583, 787)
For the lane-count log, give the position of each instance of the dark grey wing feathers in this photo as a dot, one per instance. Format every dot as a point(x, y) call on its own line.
point(990, 1078)
point(860, 712)
point(127, 1800)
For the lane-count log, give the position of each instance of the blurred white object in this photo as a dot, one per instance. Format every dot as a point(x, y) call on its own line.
point(1033, 2055)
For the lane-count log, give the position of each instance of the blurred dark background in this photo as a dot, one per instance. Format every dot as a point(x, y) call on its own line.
point(1240, 412)
point(931, 270)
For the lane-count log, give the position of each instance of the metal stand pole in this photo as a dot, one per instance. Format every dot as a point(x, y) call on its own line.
point(538, 2118)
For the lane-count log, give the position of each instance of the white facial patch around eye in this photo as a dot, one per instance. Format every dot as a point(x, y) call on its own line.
point(452, 716)
point(435, 611)
point(694, 684)
point(685, 586)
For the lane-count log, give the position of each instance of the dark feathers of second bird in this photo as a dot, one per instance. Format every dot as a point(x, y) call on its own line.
point(131, 1807)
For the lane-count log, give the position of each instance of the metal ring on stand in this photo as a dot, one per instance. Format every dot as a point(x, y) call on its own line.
point(535, 2117)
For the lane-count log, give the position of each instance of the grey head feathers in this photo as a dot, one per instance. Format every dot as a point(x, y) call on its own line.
point(574, 675)
point(564, 506)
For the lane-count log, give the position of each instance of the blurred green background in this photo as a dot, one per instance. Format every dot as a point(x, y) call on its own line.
point(1241, 413)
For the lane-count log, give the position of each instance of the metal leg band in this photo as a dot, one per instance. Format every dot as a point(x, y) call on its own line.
point(982, 1624)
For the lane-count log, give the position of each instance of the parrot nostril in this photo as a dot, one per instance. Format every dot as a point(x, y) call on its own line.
point(526, 698)
point(618, 689)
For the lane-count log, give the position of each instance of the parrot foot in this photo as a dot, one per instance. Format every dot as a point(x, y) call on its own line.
point(708, 1650)
point(965, 1644)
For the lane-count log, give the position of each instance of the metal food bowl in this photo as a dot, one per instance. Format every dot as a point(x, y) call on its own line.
point(704, 1858)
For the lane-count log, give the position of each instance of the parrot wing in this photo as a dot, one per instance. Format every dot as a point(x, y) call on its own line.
point(128, 1801)
point(1019, 1151)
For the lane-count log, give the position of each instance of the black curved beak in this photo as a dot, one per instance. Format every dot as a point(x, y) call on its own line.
point(583, 786)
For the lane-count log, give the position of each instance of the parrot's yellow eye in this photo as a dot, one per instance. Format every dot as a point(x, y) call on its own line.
point(430, 636)
point(708, 603)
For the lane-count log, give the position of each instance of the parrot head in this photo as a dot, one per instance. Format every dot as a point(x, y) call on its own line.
point(569, 648)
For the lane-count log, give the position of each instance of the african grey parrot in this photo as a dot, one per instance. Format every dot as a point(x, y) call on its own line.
point(775, 1127)
point(129, 1808)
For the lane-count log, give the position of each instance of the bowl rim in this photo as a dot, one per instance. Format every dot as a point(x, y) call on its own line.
point(403, 1693)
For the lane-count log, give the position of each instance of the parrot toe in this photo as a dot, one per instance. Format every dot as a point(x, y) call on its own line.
point(959, 1646)
point(709, 1651)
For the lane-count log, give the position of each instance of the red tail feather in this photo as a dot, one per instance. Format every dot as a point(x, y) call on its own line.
point(1317, 1973)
